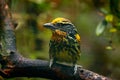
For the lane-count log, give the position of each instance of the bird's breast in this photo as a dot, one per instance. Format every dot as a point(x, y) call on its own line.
point(64, 56)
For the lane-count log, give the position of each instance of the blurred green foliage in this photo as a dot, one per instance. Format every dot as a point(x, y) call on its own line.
point(33, 38)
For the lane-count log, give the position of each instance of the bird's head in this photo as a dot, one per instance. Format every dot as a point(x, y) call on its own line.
point(61, 26)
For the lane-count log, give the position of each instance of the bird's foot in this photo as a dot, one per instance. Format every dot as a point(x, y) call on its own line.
point(51, 62)
point(76, 67)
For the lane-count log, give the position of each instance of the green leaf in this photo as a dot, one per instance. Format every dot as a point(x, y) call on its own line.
point(109, 48)
point(103, 10)
point(112, 30)
point(109, 18)
point(101, 27)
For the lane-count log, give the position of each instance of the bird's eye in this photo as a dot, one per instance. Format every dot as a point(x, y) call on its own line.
point(58, 24)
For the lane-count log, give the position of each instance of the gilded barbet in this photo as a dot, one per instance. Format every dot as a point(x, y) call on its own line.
point(64, 46)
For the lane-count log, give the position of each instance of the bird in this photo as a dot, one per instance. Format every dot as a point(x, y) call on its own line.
point(64, 45)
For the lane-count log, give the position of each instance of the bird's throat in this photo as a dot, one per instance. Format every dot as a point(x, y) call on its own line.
point(58, 35)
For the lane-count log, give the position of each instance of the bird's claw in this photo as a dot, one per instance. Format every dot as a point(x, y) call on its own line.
point(76, 67)
point(51, 62)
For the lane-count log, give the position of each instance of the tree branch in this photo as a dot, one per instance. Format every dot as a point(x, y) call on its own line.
point(15, 65)
point(18, 66)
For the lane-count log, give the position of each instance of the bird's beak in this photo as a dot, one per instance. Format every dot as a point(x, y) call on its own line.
point(49, 26)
